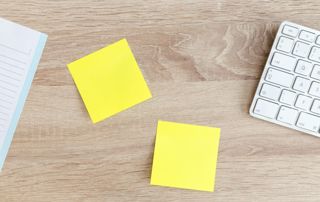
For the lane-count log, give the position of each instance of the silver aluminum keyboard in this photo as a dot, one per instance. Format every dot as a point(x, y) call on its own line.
point(288, 93)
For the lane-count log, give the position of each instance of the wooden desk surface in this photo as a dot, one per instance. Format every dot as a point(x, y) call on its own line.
point(202, 60)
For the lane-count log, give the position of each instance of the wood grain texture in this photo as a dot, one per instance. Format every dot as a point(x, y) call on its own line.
point(202, 60)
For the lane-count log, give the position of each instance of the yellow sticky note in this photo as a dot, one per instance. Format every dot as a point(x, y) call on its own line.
point(109, 80)
point(185, 156)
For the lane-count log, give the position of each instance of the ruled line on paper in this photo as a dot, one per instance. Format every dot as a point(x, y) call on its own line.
point(9, 83)
point(4, 107)
point(3, 121)
point(7, 89)
point(20, 52)
point(2, 128)
point(5, 101)
point(13, 59)
point(9, 70)
point(12, 65)
point(3, 113)
point(9, 96)
point(10, 77)
point(14, 49)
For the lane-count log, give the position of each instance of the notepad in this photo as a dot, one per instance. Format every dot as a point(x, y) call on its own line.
point(109, 81)
point(20, 52)
point(185, 156)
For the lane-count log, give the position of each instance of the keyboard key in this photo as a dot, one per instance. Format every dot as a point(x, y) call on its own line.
point(289, 90)
point(283, 61)
point(301, 84)
point(316, 72)
point(266, 108)
point(269, 91)
point(318, 40)
point(316, 107)
point(285, 44)
point(315, 54)
point(315, 89)
point(308, 122)
point(303, 67)
point(287, 115)
point(287, 97)
point(307, 36)
point(301, 49)
point(303, 102)
point(290, 31)
point(279, 77)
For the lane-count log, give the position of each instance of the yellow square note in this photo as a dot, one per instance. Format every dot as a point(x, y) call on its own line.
point(109, 81)
point(185, 156)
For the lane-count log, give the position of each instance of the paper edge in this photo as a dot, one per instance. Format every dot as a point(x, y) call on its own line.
point(23, 96)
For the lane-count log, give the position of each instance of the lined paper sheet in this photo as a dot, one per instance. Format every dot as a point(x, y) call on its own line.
point(20, 52)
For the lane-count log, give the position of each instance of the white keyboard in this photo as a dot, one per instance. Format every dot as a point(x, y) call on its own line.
point(288, 93)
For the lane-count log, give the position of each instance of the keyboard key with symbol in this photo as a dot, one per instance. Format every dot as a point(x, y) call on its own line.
point(287, 97)
point(279, 77)
point(287, 115)
point(316, 72)
point(285, 44)
point(307, 36)
point(316, 107)
point(301, 84)
point(303, 67)
point(315, 54)
point(303, 102)
point(266, 108)
point(288, 93)
point(283, 61)
point(309, 122)
point(315, 89)
point(269, 91)
point(301, 49)
point(290, 30)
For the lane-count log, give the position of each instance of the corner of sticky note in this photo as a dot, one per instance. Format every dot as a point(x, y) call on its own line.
point(109, 81)
point(185, 156)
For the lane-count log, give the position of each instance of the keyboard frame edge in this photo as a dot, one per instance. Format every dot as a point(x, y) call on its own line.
point(264, 72)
